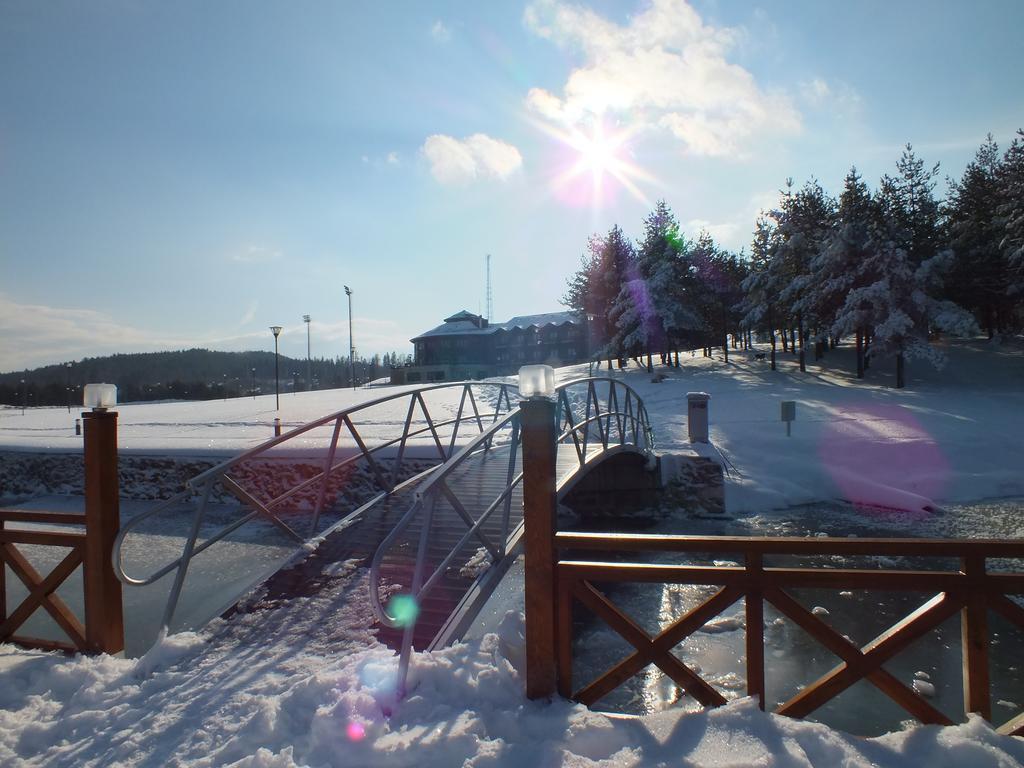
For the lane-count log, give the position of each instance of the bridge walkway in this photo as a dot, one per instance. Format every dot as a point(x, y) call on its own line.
point(436, 543)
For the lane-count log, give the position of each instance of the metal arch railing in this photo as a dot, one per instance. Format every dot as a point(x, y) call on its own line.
point(581, 420)
point(198, 489)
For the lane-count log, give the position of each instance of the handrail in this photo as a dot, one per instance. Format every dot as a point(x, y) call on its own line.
point(198, 488)
point(633, 428)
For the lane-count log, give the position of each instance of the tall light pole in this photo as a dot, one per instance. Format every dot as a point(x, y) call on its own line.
point(351, 346)
point(276, 330)
point(24, 396)
point(68, 387)
point(254, 383)
point(309, 365)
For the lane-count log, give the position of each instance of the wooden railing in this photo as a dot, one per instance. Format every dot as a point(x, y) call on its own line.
point(82, 636)
point(971, 590)
point(103, 628)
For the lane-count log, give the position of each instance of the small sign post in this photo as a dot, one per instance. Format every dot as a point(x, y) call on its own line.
point(788, 414)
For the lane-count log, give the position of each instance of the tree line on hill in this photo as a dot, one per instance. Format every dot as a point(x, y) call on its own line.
point(193, 374)
point(890, 268)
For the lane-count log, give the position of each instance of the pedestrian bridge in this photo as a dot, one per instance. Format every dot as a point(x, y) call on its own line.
point(423, 486)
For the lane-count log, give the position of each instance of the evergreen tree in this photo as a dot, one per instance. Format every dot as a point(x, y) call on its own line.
point(657, 306)
point(910, 264)
point(592, 291)
point(804, 222)
point(1010, 211)
point(841, 266)
point(758, 306)
point(979, 276)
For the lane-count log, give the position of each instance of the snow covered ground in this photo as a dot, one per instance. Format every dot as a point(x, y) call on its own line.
point(952, 435)
point(277, 689)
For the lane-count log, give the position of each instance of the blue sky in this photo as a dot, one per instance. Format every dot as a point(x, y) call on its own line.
point(188, 174)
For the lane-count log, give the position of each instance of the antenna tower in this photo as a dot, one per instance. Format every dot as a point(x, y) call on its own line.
point(490, 296)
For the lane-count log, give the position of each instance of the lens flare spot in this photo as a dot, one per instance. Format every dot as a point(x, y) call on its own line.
point(880, 456)
point(403, 609)
point(355, 731)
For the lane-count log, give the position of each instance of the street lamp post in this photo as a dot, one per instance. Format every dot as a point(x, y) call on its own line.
point(276, 330)
point(309, 364)
point(24, 396)
point(68, 387)
point(351, 346)
point(254, 383)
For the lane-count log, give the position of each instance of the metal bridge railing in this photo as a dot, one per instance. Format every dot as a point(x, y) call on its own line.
point(239, 478)
point(592, 414)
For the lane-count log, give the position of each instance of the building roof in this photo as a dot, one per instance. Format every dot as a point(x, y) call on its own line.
point(465, 323)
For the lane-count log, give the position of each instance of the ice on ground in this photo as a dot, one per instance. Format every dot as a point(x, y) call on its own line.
point(924, 688)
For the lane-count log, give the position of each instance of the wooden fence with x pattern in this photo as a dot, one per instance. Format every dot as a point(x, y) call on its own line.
point(972, 591)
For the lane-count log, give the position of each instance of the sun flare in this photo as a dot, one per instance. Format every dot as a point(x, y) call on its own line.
point(595, 163)
point(598, 153)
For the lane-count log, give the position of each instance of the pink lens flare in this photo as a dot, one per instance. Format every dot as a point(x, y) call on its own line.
point(881, 456)
point(355, 731)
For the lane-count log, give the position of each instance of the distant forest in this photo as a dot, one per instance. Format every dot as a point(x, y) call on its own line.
point(194, 374)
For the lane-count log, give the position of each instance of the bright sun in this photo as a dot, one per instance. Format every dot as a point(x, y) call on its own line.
point(597, 153)
point(602, 156)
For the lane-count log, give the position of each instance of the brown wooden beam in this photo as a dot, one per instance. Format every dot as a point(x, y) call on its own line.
point(104, 612)
point(824, 578)
point(41, 516)
point(1014, 727)
point(540, 452)
point(42, 644)
point(974, 639)
point(669, 638)
point(41, 594)
point(854, 658)
point(768, 545)
point(563, 637)
point(876, 653)
point(754, 608)
point(685, 677)
point(44, 538)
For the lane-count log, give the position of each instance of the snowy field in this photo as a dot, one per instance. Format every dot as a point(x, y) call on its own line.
point(952, 435)
point(278, 688)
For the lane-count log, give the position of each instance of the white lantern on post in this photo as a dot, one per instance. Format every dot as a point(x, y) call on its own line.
point(536, 381)
point(100, 397)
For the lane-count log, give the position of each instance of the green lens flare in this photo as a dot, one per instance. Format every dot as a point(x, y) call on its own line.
point(403, 609)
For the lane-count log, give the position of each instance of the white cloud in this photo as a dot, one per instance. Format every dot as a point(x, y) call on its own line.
point(256, 254)
point(815, 90)
point(440, 32)
point(724, 233)
point(392, 159)
point(838, 97)
point(455, 161)
point(250, 314)
point(37, 335)
point(665, 69)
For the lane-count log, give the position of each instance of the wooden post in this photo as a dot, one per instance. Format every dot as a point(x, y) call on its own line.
point(539, 452)
point(3, 583)
point(754, 604)
point(974, 636)
point(104, 619)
